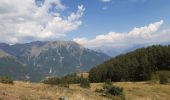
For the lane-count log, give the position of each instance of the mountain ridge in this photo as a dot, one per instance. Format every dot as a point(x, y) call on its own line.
point(54, 58)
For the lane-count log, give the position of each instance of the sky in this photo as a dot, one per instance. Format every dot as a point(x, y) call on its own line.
point(99, 24)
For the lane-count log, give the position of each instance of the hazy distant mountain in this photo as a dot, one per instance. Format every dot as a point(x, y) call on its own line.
point(51, 58)
point(115, 51)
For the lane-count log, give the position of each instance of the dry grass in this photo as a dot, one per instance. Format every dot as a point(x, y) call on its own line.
point(141, 90)
point(31, 91)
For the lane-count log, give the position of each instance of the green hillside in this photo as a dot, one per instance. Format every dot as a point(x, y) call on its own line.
point(134, 66)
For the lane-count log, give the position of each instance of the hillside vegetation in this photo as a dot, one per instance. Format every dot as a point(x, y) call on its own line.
point(145, 70)
point(134, 66)
point(132, 91)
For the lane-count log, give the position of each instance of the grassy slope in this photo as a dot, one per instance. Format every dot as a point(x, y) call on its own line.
point(140, 90)
point(133, 91)
point(30, 91)
point(144, 91)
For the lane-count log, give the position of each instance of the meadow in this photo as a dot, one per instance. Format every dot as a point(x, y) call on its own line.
point(39, 91)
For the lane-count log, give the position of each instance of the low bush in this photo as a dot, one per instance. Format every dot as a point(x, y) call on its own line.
point(113, 90)
point(6, 80)
point(69, 79)
point(56, 81)
point(52, 81)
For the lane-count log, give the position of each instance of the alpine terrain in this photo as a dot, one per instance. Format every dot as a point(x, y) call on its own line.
point(42, 59)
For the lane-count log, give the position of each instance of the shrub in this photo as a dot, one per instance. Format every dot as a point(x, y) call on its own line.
point(113, 90)
point(163, 78)
point(84, 83)
point(69, 79)
point(6, 80)
point(52, 81)
point(116, 91)
point(56, 81)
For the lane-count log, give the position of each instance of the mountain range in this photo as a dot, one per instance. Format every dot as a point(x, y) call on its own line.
point(114, 51)
point(37, 60)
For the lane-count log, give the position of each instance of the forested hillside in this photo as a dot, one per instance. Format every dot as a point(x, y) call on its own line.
point(133, 66)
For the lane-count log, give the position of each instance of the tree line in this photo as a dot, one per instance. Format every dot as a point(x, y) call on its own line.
point(66, 80)
point(133, 66)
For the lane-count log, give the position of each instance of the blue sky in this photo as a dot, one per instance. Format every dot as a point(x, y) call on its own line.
point(120, 15)
point(96, 24)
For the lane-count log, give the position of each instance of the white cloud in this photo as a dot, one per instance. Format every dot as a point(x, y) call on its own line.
point(143, 35)
point(105, 0)
point(134, 1)
point(146, 29)
point(24, 21)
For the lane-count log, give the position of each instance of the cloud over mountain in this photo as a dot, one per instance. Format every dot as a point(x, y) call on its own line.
point(27, 20)
point(148, 34)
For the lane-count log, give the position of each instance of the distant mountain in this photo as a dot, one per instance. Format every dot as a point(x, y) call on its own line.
point(49, 58)
point(117, 50)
